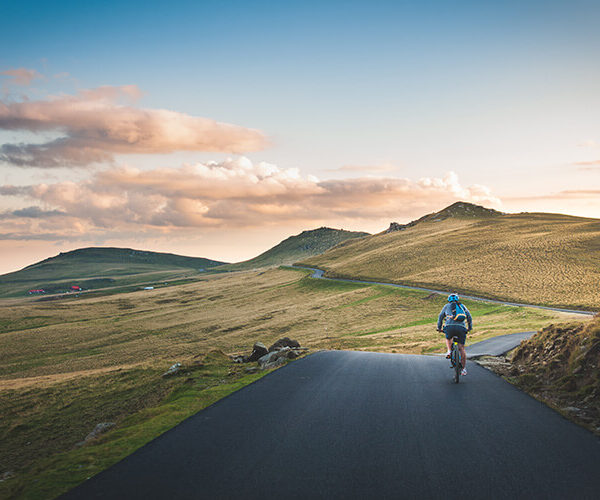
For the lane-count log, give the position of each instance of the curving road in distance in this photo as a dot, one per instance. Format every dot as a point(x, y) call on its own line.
point(320, 274)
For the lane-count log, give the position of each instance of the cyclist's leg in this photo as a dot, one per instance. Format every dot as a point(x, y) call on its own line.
point(463, 354)
point(461, 333)
point(448, 339)
point(449, 343)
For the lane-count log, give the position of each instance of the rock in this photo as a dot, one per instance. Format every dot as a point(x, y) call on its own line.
point(239, 359)
point(572, 409)
point(292, 354)
point(394, 226)
point(258, 351)
point(284, 342)
point(268, 358)
point(274, 363)
point(251, 369)
point(6, 475)
point(277, 358)
point(173, 370)
point(101, 428)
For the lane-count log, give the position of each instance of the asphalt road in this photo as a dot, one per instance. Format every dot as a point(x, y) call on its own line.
point(319, 274)
point(346, 425)
point(496, 346)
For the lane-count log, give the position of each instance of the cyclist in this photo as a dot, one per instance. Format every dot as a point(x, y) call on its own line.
point(455, 314)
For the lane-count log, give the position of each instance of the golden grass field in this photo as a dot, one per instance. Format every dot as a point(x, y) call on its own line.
point(545, 259)
point(228, 312)
point(71, 363)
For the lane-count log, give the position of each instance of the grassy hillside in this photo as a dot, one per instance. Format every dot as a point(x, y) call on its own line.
point(72, 363)
point(98, 268)
point(538, 258)
point(298, 247)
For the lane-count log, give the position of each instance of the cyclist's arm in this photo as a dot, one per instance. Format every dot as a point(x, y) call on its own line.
point(441, 319)
point(469, 319)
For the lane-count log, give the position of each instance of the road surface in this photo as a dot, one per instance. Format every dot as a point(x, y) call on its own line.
point(497, 346)
point(356, 425)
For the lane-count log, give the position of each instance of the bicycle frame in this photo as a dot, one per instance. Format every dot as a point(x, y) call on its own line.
point(455, 360)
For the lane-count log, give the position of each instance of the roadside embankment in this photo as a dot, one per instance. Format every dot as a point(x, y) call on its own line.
point(560, 366)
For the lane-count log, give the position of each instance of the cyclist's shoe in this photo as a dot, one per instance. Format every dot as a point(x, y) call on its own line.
point(448, 354)
point(463, 372)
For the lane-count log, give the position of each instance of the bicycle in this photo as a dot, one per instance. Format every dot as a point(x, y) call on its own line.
point(455, 361)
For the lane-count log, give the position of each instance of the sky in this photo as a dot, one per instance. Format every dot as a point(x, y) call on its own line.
point(219, 128)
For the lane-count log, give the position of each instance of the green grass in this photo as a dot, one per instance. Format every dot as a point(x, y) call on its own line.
point(384, 292)
point(295, 248)
point(308, 284)
point(40, 428)
point(101, 268)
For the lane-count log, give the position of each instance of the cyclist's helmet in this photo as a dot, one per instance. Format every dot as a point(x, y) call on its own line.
point(453, 297)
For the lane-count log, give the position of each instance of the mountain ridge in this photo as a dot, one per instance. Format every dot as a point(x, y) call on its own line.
point(538, 258)
point(459, 209)
point(125, 254)
point(100, 267)
point(305, 244)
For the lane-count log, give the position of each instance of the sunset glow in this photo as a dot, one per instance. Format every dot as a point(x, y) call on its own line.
point(218, 130)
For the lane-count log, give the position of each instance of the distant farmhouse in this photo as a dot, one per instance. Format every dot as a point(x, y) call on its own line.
point(76, 289)
point(39, 290)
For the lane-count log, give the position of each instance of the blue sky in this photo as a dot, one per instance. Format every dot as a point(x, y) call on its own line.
point(504, 94)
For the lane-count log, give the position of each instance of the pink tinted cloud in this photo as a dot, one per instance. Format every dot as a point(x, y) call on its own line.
point(233, 194)
point(366, 169)
point(588, 165)
point(95, 125)
point(569, 194)
point(21, 76)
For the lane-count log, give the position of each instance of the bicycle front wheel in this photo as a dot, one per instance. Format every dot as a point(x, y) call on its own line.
point(457, 364)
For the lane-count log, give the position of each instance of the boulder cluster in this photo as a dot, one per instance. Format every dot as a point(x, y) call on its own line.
point(276, 355)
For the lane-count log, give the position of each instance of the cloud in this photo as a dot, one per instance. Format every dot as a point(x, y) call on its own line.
point(569, 194)
point(588, 144)
point(588, 165)
point(33, 212)
point(36, 213)
point(227, 195)
point(96, 124)
point(365, 169)
point(21, 76)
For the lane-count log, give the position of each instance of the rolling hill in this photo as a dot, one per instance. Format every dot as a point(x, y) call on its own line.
point(99, 267)
point(540, 258)
point(298, 247)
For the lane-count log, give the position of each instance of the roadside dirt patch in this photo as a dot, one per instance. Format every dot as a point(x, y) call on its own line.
point(46, 380)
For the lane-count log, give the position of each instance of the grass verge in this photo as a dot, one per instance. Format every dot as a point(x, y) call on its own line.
point(41, 430)
point(559, 366)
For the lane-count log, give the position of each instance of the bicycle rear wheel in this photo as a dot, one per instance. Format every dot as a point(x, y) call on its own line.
point(457, 363)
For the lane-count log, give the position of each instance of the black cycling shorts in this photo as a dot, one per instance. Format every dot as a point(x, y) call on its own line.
point(456, 331)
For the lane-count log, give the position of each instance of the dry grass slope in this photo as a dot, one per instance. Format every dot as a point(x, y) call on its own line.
point(229, 312)
point(561, 367)
point(297, 247)
point(545, 259)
